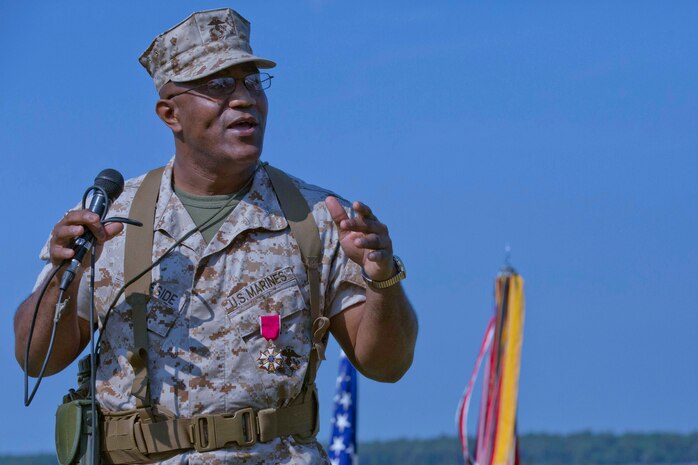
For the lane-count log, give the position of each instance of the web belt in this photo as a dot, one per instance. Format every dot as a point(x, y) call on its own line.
point(130, 433)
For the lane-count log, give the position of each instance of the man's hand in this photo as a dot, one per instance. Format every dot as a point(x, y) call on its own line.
point(377, 335)
point(73, 225)
point(364, 239)
point(72, 332)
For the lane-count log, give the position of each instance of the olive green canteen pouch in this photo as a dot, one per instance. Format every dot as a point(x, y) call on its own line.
point(74, 433)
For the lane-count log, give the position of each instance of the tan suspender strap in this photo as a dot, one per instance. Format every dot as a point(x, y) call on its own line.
point(138, 256)
point(304, 229)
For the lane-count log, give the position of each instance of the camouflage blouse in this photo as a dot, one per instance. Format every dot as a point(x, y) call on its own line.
point(203, 315)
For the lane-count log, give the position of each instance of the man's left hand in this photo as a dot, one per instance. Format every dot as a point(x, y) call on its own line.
point(379, 334)
point(364, 239)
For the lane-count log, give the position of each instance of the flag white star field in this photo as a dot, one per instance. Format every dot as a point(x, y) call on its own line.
point(342, 448)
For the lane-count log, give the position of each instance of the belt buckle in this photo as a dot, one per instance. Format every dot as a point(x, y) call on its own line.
point(249, 426)
point(204, 430)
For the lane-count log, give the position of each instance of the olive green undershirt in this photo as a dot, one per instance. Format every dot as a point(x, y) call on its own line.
point(202, 208)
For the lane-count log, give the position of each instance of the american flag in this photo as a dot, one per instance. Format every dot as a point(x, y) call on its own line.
point(342, 449)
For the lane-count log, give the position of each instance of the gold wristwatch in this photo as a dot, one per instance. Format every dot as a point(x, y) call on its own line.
point(401, 274)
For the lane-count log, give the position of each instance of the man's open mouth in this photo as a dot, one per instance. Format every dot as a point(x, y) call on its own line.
point(244, 123)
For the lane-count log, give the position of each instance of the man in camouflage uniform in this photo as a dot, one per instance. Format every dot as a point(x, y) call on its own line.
point(208, 293)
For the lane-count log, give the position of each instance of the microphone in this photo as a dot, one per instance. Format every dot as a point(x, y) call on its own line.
point(109, 184)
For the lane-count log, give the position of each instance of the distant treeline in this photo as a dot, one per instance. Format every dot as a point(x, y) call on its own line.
point(546, 449)
point(536, 449)
point(43, 459)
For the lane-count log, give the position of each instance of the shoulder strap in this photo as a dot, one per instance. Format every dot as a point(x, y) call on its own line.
point(138, 256)
point(305, 231)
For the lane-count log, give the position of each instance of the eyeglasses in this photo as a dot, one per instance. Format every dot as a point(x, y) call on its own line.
point(223, 87)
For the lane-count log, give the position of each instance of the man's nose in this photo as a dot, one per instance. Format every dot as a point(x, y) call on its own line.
point(242, 97)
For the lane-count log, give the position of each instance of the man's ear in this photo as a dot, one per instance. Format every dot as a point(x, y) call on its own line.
point(168, 112)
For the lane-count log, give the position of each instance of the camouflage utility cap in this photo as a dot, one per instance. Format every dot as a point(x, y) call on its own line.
point(203, 44)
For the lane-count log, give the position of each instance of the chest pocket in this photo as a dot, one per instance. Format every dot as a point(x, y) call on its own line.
point(293, 342)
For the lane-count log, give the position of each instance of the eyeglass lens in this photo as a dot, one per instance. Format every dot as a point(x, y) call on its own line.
point(224, 86)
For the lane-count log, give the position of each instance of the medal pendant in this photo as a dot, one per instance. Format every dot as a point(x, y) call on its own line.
point(270, 358)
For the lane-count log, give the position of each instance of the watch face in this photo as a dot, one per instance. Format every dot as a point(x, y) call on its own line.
point(399, 276)
point(400, 265)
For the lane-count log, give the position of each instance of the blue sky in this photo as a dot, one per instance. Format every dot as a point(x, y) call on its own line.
point(565, 130)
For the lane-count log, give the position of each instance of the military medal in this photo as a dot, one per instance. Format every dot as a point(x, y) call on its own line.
point(291, 359)
point(270, 358)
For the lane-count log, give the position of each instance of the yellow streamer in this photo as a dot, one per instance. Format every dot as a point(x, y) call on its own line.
point(512, 340)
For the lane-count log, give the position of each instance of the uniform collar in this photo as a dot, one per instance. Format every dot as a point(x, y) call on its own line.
point(259, 209)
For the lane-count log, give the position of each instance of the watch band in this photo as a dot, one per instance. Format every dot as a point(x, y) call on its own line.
point(399, 276)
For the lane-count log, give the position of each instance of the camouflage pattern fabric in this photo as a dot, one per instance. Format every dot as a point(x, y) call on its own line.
point(201, 45)
point(203, 315)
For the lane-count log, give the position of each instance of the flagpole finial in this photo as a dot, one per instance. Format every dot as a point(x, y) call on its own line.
point(507, 268)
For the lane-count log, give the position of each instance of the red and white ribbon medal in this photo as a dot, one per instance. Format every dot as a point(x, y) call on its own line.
point(270, 326)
